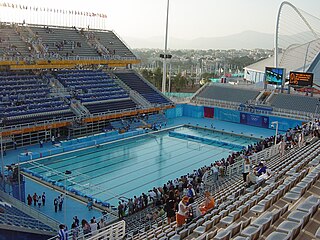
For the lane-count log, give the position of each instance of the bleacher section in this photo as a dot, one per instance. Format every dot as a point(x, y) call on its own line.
point(14, 217)
point(294, 102)
point(113, 44)
point(283, 207)
point(65, 42)
point(228, 93)
point(11, 44)
point(25, 97)
point(91, 86)
point(111, 106)
point(135, 82)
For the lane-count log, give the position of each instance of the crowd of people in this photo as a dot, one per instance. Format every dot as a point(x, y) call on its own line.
point(38, 200)
point(87, 228)
point(177, 196)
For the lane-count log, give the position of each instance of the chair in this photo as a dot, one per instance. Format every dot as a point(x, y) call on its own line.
point(261, 207)
point(216, 219)
point(251, 232)
point(306, 206)
point(290, 227)
point(235, 228)
point(241, 238)
point(204, 228)
point(191, 227)
point(278, 236)
point(298, 216)
point(284, 209)
point(182, 235)
point(245, 223)
point(276, 215)
point(317, 235)
point(211, 234)
point(263, 223)
point(202, 237)
point(223, 234)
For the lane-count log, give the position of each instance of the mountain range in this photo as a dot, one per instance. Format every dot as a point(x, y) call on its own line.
point(243, 40)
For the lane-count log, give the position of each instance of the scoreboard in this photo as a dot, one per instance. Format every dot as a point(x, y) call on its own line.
point(301, 79)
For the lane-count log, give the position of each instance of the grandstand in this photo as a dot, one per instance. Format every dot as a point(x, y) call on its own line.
point(61, 81)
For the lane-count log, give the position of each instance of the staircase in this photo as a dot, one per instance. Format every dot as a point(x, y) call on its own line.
point(78, 108)
point(134, 95)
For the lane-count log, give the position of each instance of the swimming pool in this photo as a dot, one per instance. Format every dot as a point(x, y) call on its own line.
point(131, 166)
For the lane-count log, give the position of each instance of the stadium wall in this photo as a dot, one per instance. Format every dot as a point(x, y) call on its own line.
point(256, 120)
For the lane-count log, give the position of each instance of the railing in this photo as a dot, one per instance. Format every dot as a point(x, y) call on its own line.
point(114, 231)
point(74, 58)
point(71, 119)
point(30, 211)
point(235, 168)
point(200, 90)
point(140, 99)
point(265, 154)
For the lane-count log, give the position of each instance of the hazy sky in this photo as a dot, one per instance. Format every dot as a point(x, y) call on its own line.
point(188, 19)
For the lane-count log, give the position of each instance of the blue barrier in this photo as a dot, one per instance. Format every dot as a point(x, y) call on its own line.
point(284, 123)
point(226, 115)
point(205, 140)
point(193, 111)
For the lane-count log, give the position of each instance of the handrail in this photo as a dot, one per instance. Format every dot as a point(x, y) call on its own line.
point(112, 231)
point(73, 118)
point(30, 211)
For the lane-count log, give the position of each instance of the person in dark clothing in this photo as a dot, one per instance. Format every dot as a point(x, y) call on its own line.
point(170, 207)
point(55, 203)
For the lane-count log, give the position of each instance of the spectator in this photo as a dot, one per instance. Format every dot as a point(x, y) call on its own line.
point(182, 213)
point(208, 203)
point(63, 233)
point(246, 169)
point(194, 210)
point(170, 207)
point(93, 227)
point(85, 227)
point(74, 231)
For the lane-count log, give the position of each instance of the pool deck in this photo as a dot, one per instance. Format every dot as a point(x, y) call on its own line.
point(76, 208)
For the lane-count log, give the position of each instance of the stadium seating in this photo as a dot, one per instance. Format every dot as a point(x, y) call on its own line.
point(65, 42)
point(294, 102)
point(236, 215)
point(12, 216)
point(11, 44)
point(25, 97)
point(91, 86)
point(121, 104)
point(228, 93)
point(113, 44)
point(135, 82)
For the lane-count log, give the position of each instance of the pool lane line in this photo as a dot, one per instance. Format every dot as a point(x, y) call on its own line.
point(90, 159)
point(154, 180)
point(175, 163)
point(102, 144)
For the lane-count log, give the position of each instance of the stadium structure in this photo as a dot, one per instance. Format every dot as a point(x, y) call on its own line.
point(75, 79)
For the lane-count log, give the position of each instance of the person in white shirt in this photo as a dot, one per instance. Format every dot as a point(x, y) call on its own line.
point(183, 211)
point(246, 169)
point(94, 227)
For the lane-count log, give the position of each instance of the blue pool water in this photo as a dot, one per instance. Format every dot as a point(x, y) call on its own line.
point(130, 167)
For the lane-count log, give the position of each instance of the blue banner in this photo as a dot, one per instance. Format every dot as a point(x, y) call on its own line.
point(254, 120)
point(226, 115)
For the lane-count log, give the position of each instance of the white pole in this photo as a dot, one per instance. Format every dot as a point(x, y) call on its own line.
point(2, 160)
point(65, 199)
point(164, 76)
point(275, 139)
point(169, 87)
